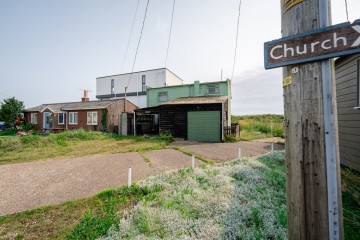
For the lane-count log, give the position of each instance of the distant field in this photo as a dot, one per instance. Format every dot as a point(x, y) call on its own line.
point(260, 126)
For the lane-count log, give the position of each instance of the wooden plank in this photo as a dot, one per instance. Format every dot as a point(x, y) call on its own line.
point(350, 82)
point(349, 117)
point(347, 104)
point(349, 130)
point(348, 111)
point(350, 124)
point(346, 97)
point(350, 69)
point(351, 151)
point(346, 91)
point(349, 137)
point(349, 161)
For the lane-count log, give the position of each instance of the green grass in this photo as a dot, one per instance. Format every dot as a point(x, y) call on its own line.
point(350, 184)
point(87, 218)
point(259, 126)
point(75, 143)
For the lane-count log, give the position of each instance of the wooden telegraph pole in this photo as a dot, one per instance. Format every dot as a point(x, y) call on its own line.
point(312, 156)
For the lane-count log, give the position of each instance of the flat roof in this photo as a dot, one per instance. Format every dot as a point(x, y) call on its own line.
point(141, 72)
point(197, 100)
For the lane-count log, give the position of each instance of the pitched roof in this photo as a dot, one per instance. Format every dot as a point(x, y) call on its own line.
point(197, 100)
point(71, 106)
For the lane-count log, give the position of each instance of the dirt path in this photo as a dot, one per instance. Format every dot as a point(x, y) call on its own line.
point(29, 185)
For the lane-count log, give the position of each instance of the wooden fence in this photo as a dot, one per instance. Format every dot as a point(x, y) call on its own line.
point(234, 130)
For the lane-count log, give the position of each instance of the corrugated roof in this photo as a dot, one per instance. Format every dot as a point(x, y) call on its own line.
point(196, 100)
point(58, 107)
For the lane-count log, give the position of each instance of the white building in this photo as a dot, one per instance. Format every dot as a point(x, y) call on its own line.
point(114, 86)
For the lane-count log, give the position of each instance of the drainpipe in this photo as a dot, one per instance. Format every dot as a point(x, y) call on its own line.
point(134, 124)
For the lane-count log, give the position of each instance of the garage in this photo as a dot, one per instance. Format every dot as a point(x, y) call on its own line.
point(204, 126)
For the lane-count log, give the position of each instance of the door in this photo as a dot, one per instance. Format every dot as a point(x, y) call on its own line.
point(204, 126)
point(47, 120)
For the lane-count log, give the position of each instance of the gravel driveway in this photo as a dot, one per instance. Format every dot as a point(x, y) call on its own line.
point(29, 185)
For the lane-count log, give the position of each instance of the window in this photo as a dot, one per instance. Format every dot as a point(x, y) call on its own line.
point(61, 118)
point(213, 88)
point(163, 96)
point(33, 118)
point(92, 118)
point(73, 118)
point(143, 84)
point(112, 86)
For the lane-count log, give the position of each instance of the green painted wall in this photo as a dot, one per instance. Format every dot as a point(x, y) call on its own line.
point(188, 90)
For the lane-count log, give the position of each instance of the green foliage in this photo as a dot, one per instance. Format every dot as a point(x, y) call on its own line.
point(260, 126)
point(8, 132)
point(11, 109)
point(96, 223)
point(166, 136)
point(104, 119)
point(231, 139)
point(350, 180)
point(28, 127)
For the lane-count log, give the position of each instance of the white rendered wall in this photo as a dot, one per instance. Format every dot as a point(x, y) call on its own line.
point(172, 79)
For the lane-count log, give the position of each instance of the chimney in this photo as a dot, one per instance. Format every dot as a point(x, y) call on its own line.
point(86, 97)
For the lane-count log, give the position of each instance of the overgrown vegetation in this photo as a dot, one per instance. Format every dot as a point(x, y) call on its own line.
point(350, 184)
point(82, 219)
point(75, 143)
point(235, 200)
point(243, 199)
point(260, 126)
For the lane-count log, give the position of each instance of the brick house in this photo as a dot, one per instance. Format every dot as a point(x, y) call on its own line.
point(88, 115)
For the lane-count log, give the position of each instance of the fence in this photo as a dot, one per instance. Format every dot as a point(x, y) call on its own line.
point(233, 130)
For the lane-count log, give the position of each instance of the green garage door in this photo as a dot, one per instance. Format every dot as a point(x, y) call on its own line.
point(204, 126)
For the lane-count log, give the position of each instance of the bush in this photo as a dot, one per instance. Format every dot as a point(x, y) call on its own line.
point(166, 136)
point(230, 139)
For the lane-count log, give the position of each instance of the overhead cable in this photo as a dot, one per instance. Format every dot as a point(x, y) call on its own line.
point(132, 27)
point(137, 49)
point(236, 41)
point(172, 17)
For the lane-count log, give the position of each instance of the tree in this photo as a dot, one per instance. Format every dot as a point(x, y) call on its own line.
point(11, 110)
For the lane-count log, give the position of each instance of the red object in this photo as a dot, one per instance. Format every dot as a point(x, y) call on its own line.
point(17, 120)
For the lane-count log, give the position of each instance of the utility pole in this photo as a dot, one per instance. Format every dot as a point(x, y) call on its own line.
point(312, 155)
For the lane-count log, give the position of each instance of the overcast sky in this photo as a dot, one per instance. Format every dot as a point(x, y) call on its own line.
point(50, 50)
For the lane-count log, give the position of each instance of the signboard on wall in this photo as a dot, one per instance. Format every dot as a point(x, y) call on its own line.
point(324, 43)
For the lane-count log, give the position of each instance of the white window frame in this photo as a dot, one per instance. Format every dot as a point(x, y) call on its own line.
point(92, 118)
point(33, 118)
point(72, 118)
point(63, 122)
point(162, 96)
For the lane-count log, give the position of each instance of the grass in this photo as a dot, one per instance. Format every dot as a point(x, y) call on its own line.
point(350, 184)
point(260, 126)
point(242, 199)
point(76, 143)
point(87, 218)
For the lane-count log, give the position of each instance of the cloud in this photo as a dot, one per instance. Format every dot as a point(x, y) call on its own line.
point(257, 92)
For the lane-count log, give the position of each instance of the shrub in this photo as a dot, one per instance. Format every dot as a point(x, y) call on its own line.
point(230, 138)
point(166, 136)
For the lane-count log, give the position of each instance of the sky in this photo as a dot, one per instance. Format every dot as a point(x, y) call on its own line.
point(50, 51)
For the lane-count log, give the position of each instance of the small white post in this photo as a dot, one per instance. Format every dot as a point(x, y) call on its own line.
point(193, 161)
point(272, 148)
point(129, 177)
point(239, 153)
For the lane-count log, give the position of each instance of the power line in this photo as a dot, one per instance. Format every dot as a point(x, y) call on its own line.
point(132, 27)
point(236, 42)
point(137, 49)
point(172, 17)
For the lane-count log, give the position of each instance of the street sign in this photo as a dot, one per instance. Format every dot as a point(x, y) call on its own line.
point(324, 43)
